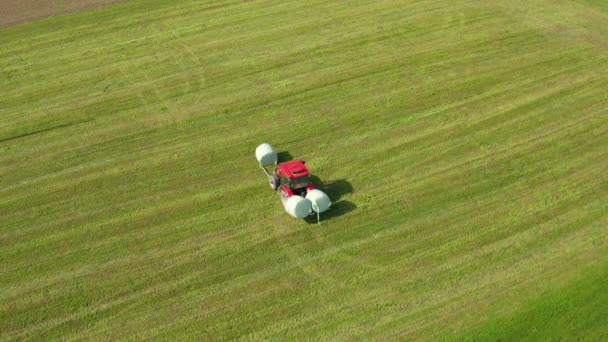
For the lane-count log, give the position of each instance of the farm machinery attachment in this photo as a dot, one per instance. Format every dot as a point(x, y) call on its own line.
point(291, 180)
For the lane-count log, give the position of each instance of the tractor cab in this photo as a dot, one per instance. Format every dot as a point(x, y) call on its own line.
point(293, 178)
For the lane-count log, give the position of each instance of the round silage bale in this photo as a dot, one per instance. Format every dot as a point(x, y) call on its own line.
point(266, 155)
point(297, 206)
point(319, 200)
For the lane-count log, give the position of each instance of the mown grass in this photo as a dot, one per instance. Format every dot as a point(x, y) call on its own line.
point(576, 311)
point(466, 143)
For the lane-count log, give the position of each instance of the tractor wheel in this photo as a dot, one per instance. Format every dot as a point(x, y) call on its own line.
point(274, 182)
point(283, 194)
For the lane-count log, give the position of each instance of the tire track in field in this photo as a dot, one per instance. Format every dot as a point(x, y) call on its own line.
point(165, 287)
point(182, 56)
point(507, 280)
point(422, 304)
point(504, 154)
point(315, 268)
point(419, 305)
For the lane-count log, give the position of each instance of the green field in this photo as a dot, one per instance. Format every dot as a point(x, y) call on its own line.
point(464, 144)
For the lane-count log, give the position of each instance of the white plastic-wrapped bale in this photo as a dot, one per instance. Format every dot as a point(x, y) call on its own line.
point(298, 206)
point(319, 200)
point(266, 155)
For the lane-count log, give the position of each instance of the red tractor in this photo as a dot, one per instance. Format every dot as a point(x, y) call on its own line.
point(292, 182)
point(292, 178)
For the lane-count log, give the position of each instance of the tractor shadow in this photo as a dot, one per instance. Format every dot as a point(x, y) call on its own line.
point(284, 156)
point(335, 190)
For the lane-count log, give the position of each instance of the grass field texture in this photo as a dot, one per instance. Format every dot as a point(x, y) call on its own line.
point(464, 144)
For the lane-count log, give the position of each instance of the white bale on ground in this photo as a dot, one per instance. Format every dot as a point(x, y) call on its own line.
point(266, 155)
point(319, 200)
point(298, 206)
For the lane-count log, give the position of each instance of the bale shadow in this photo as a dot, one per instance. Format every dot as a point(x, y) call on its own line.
point(284, 156)
point(337, 209)
point(335, 190)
